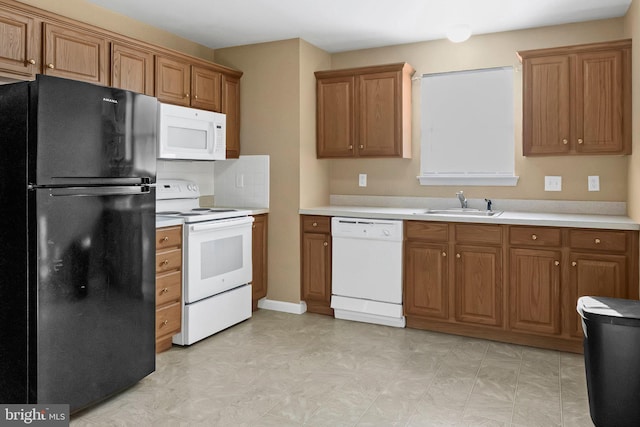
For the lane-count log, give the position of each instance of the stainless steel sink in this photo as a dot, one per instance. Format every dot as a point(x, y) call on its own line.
point(460, 212)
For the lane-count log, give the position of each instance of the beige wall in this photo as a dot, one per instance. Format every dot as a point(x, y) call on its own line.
point(271, 124)
point(632, 30)
point(83, 11)
point(397, 177)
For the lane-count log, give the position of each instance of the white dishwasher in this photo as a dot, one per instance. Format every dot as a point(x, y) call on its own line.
point(366, 278)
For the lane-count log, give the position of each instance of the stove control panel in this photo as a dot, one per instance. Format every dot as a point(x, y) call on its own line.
point(176, 189)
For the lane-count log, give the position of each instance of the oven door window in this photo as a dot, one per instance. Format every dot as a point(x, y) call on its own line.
point(220, 256)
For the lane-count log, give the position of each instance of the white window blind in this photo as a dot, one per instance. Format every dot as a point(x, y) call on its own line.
point(468, 128)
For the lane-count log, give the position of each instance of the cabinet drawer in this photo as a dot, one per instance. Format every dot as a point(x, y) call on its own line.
point(425, 230)
point(168, 237)
point(316, 224)
point(168, 260)
point(598, 240)
point(168, 287)
point(476, 233)
point(168, 320)
point(535, 236)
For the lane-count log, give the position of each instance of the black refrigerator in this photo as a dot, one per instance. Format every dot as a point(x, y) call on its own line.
point(77, 233)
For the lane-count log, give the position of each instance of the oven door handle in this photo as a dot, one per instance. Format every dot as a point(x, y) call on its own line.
point(223, 223)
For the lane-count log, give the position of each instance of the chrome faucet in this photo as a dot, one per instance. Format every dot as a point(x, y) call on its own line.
point(463, 200)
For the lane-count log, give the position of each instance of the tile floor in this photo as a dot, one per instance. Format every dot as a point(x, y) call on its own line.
point(279, 369)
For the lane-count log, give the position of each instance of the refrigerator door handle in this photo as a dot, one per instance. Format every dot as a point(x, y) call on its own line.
point(99, 191)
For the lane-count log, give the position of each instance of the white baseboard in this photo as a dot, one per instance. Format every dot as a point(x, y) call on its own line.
point(286, 307)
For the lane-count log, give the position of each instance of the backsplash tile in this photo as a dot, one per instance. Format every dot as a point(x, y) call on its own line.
point(242, 182)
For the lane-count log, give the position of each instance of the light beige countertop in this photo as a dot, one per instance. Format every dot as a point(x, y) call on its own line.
point(614, 222)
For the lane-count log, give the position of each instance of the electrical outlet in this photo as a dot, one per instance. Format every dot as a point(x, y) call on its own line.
point(593, 182)
point(240, 180)
point(362, 180)
point(552, 183)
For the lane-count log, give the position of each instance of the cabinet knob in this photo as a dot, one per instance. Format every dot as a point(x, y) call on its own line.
point(573, 264)
point(51, 66)
point(164, 323)
point(457, 255)
point(351, 147)
point(186, 95)
point(597, 241)
point(580, 141)
point(534, 237)
point(315, 224)
point(164, 291)
point(165, 262)
point(32, 61)
point(326, 243)
point(253, 226)
point(361, 146)
point(556, 263)
point(444, 254)
point(565, 141)
point(165, 238)
point(194, 96)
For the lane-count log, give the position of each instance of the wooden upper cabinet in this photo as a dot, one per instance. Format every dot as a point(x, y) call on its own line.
point(231, 107)
point(336, 130)
point(577, 99)
point(74, 54)
point(364, 112)
point(19, 45)
point(173, 81)
point(205, 88)
point(131, 68)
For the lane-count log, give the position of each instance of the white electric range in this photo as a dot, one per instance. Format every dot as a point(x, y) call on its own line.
point(216, 259)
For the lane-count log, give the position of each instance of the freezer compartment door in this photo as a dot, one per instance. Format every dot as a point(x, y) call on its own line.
point(94, 288)
point(82, 133)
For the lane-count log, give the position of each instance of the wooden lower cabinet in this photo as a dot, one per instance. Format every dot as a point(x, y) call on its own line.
point(316, 263)
point(168, 285)
point(259, 259)
point(455, 284)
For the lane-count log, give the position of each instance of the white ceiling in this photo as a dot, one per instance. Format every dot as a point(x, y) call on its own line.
point(341, 25)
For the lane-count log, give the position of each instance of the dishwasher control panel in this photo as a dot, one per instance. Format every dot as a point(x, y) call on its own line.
point(363, 228)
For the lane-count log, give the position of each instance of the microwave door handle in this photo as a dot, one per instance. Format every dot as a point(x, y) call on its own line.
point(226, 224)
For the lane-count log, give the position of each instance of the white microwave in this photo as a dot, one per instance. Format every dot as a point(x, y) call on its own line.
point(191, 134)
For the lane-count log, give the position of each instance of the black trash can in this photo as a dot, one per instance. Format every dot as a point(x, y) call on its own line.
point(612, 359)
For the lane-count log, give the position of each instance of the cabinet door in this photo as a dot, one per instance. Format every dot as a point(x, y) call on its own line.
point(19, 48)
point(231, 107)
point(131, 68)
point(478, 285)
point(259, 259)
point(546, 109)
point(316, 271)
point(205, 88)
point(335, 117)
point(599, 102)
point(173, 81)
point(535, 290)
point(379, 123)
point(426, 280)
point(74, 54)
point(600, 275)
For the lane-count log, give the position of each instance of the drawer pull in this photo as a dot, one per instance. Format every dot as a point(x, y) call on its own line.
point(326, 244)
point(164, 323)
point(164, 291)
point(556, 263)
point(165, 262)
point(444, 254)
point(315, 224)
point(597, 241)
point(164, 239)
point(534, 237)
point(573, 264)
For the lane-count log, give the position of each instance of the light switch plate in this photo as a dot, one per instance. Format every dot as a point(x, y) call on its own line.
point(552, 183)
point(362, 180)
point(593, 182)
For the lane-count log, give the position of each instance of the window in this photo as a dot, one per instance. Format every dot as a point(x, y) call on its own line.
point(467, 128)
